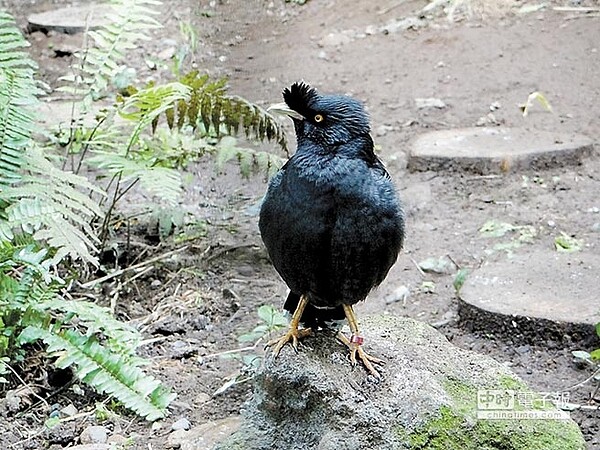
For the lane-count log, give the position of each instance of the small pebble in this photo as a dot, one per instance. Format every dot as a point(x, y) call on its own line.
point(400, 294)
point(167, 53)
point(371, 30)
point(523, 349)
point(94, 434)
point(69, 410)
point(382, 130)
point(182, 349)
point(423, 103)
point(202, 398)
point(181, 424)
point(117, 439)
point(246, 271)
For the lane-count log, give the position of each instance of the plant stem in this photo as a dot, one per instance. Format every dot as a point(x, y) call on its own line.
point(87, 146)
point(116, 273)
point(108, 216)
point(124, 191)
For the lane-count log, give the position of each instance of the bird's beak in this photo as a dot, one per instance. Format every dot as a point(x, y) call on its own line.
point(283, 108)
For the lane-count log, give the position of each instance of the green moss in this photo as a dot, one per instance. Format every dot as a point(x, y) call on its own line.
point(456, 427)
point(463, 395)
point(452, 431)
point(445, 432)
point(508, 382)
point(234, 442)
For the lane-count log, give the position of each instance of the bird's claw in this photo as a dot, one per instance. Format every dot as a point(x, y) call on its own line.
point(366, 359)
point(293, 334)
point(357, 350)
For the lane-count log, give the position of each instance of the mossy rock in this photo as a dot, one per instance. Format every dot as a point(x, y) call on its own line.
point(427, 398)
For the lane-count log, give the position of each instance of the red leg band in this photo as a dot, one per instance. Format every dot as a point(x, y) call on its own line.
point(356, 339)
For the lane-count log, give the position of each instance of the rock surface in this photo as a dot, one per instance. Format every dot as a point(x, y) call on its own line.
point(94, 434)
point(70, 20)
point(426, 400)
point(61, 113)
point(545, 285)
point(494, 150)
point(204, 437)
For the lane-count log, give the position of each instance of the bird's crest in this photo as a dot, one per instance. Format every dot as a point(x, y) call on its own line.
point(299, 97)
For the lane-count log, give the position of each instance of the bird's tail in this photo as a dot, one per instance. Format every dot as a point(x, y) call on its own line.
point(314, 317)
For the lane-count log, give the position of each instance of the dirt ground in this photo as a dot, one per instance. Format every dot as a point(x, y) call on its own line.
point(196, 305)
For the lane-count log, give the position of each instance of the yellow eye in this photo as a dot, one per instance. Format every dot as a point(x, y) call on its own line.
point(318, 118)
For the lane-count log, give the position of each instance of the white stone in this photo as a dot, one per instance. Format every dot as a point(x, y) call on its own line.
point(558, 287)
point(75, 19)
point(494, 150)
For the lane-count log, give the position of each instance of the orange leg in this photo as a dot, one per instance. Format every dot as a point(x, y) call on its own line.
point(355, 342)
point(293, 334)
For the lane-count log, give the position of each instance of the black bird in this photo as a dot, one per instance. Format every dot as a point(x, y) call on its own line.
point(331, 220)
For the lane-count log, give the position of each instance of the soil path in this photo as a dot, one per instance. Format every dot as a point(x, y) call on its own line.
point(487, 64)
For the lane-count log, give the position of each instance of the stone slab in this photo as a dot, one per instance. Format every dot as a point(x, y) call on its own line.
point(205, 436)
point(60, 113)
point(496, 150)
point(554, 288)
point(70, 20)
point(426, 399)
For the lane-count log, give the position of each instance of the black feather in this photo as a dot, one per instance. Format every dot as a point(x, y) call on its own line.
point(300, 97)
point(331, 220)
point(313, 317)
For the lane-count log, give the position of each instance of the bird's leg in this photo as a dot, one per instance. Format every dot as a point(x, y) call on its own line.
point(355, 342)
point(293, 334)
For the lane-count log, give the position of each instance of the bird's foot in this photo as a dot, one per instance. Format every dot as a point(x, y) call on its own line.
point(355, 346)
point(292, 335)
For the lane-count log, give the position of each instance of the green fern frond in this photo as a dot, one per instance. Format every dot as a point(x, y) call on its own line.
point(210, 106)
point(26, 255)
point(100, 349)
point(143, 107)
point(35, 196)
point(49, 204)
point(107, 372)
point(250, 161)
point(129, 163)
point(162, 182)
point(18, 92)
point(67, 239)
point(98, 65)
point(122, 337)
point(30, 290)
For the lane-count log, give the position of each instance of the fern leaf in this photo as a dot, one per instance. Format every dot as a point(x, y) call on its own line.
point(47, 202)
point(162, 182)
point(128, 23)
point(250, 161)
point(107, 372)
point(146, 104)
point(18, 92)
point(246, 161)
point(209, 105)
point(67, 239)
point(226, 151)
point(124, 338)
point(34, 261)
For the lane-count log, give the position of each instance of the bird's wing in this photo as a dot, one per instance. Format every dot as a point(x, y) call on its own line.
point(296, 224)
